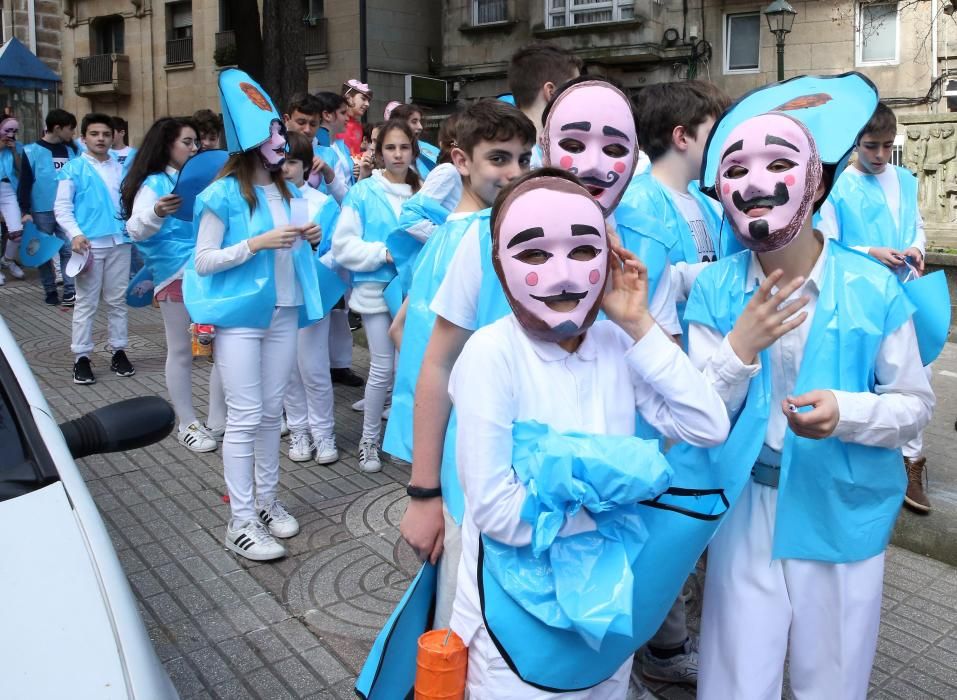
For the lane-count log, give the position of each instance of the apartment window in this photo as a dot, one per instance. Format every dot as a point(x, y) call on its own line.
point(179, 20)
point(742, 42)
point(489, 11)
point(570, 13)
point(107, 35)
point(877, 33)
point(314, 10)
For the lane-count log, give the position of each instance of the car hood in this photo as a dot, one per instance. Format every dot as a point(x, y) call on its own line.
point(58, 638)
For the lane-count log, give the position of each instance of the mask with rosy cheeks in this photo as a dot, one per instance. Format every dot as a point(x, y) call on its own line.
point(9, 129)
point(273, 150)
point(590, 131)
point(551, 256)
point(769, 173)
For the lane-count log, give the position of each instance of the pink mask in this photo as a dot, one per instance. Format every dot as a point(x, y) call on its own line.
point(769, 173)
point(590, 131)
point(273, 150)
point(9, 129)
point(551, 256)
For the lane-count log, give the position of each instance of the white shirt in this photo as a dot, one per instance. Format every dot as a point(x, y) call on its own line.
point(354, 253)
point(898, 409)
point(456, 299)
point(503, 376)
point(111, 172)
point(211, 257)
point(891, 187)
point(444, 185)
point(683, 274)
point(144, 223)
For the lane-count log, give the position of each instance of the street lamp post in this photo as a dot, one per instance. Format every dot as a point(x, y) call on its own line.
point(780, 16)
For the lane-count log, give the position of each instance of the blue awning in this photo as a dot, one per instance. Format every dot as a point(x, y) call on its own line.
point(20, 68)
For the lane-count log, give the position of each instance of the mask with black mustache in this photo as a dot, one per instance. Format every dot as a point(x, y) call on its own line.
point(550, 252)
point(769, 173)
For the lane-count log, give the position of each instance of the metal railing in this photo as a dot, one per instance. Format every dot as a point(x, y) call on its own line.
point(179, 50)
point(95, 70)
point(316, 37)
point(489, 11)
point(225, 39)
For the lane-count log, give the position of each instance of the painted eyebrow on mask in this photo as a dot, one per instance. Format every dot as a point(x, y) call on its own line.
point(584, 230)
point(576, 126)
point(612, 131)
point(771, 140)
point(736, 146)
point(526, 235)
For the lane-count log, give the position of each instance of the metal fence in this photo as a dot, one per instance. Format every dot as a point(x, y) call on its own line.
point(225, 39)
point(316, 38)
point(179, 50)
point(94, 70)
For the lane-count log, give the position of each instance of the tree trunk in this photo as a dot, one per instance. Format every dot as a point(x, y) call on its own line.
point(249, 43)
point(284, 45)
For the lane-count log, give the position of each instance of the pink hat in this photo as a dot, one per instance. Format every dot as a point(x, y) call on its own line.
point(353, 85)
point(388, 109)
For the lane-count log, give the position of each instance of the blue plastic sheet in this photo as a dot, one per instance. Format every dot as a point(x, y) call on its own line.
point(583, 582)
point(37, 247)
point(932, 315)
point(139, 292)
point(196, 175)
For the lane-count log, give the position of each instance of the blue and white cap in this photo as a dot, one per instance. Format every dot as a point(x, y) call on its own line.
point(247, 111)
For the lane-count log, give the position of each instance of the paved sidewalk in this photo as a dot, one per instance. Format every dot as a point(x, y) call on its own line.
point(300, 628)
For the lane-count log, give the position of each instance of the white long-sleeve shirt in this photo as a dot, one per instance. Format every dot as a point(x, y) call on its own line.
point(111, 172)
point(902, 402)
point(211, 257)
point(504, 376)
point(144, 222)
point(444, 185)
point(354, 253)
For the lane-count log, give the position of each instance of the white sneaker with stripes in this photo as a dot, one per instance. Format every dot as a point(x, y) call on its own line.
point(252, 540)
point(280, 521)
point(194, 438)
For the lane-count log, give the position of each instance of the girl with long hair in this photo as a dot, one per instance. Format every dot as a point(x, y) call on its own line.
point(370, 212)
point(166, 243)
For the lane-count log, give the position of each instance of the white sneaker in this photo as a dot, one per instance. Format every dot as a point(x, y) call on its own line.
point(359, 406)
point(369, 461)
point(12, 266)
point(216, 433)
point(278, 520)
point(326, 450)
point(3, 280)
point(300, 446)
point(194, 438)
point(252, 540)
point(681, 668)
point(283, 428)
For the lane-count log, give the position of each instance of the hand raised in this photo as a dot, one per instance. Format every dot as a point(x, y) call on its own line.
point(762, 322)
point(167, 204)
point(626, 298)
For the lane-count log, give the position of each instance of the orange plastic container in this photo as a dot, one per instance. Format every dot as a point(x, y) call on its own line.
point(441, 665)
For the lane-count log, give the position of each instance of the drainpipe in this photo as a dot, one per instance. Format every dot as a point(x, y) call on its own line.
point(32, 25)
point(363, 47)
point(933, 49)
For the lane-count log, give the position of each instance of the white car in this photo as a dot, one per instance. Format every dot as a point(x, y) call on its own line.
point(70, 624)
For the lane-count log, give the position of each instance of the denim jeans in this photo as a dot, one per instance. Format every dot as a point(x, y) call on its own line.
point(45, 222)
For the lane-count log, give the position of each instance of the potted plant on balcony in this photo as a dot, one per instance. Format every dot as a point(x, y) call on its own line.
point(226, 56)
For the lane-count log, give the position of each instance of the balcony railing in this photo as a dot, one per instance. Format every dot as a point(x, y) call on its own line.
point(316, 37)
point(179, 51)
point(226, 40)
point(107, 73)
point(94, 70)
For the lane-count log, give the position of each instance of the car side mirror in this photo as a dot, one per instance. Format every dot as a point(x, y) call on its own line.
point(121, 426)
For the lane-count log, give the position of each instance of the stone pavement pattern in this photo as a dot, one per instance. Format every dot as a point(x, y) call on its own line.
point(300, 628)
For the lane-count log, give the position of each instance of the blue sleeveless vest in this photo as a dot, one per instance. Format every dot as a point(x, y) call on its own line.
point(245, 296)
point(7, 169)
point(326, 216)
point(430, 270)
point(378, 221)
point(92, 205)
point(837, 502)
point(863, 216)
point(331, 156)
point(167, 251)
point(427, 160)
point(404, 248)
point(43, 193)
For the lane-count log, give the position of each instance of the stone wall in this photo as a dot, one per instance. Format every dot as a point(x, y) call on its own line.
point(930, 152)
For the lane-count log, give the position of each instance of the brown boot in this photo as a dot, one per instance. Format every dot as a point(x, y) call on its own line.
point(916, 497)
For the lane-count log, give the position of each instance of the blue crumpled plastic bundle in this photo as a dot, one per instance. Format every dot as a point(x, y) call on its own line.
point(583, 582)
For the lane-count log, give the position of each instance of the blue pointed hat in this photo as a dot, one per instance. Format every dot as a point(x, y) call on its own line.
point(37, 247)
point(247, 111)
point(834, 108)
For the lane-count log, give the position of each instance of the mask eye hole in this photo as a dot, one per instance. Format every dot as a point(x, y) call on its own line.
point(781, 165)
point(584, 253)
point(533, 256)
point(615, 150)
point(735, 172)
point(571, 145)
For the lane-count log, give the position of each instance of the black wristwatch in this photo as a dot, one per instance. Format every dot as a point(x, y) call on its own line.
point(420, 493)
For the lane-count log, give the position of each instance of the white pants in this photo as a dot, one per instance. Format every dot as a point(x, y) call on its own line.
point(490, 678)
point(10, 210)
point(309, 397)
point(340, 340)
point(381, 365)
point(179, 365)
point(108, 275)
point(448, 572)
point(755, 607)
point(915, 448)
point(254, 364)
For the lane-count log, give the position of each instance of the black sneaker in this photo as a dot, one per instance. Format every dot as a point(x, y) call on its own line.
point(83, 371)
point(69, 299)
point(121, 365)
point(355, 321)
point(52, 298)
point(346, 377)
